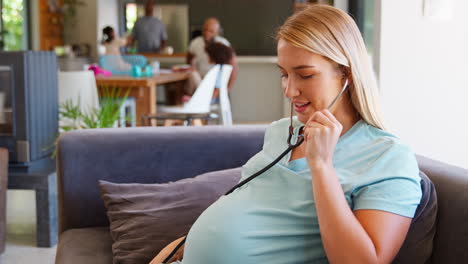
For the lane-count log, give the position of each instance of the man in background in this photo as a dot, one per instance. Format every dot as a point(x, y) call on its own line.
point(149, 32)
point(197, 55)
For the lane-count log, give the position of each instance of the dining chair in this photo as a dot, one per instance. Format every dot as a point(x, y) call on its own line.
point(199, 106)
point(128, 112)
point(222, 109)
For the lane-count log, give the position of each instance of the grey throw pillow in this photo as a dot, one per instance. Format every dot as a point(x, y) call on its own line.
point(418, 244)
point(144, 218)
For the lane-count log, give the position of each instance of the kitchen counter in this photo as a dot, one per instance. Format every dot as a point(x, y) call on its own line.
point(257, 59)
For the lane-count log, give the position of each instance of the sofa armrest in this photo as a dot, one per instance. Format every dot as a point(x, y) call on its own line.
point(451, 185)
point(142, 155)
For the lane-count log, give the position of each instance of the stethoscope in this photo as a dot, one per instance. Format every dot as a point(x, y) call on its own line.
point(291, 146)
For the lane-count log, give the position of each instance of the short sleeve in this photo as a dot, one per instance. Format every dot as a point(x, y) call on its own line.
point(395, 185)
point(192, 46)
point(256, 163)
point(274, 142)
point(163, 32)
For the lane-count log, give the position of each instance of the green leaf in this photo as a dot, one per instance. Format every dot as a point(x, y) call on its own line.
point(107, 115)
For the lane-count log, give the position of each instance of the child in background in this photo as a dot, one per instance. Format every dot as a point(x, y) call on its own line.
point(112, 47)
point(111, 43)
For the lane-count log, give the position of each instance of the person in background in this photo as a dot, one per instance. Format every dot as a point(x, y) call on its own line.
point(112, 44)
point(112, 47)
point(149, 32)
point(218, 53)
point(197, 55)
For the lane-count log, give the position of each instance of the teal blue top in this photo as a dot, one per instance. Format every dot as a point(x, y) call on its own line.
point(273, 218)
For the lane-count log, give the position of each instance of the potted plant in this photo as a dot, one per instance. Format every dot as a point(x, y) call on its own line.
point(72, 117)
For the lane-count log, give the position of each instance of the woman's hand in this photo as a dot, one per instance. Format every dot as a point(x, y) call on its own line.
point(321, 133)
point(162, 255)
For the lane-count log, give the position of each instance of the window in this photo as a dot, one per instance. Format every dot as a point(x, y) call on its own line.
point(130, 16)
point(13, 26)
point(363, 13)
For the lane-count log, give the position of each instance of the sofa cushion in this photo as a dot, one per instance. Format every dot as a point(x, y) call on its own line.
point(418, 244)
point(85, 245)
point(146, 217)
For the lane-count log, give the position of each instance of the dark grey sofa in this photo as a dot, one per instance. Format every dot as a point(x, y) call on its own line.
point(157, 155)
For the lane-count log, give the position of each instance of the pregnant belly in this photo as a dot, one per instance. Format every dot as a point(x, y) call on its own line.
point(243, 229)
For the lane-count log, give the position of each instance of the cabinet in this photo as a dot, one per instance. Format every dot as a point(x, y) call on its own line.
point(50, 24)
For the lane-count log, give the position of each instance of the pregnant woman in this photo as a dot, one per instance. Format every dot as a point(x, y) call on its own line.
point(347, 194)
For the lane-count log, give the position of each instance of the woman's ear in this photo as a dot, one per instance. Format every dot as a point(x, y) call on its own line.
point(345, 73)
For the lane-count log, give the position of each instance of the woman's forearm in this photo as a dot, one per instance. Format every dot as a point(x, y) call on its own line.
point(344, 239)
point(164, 253)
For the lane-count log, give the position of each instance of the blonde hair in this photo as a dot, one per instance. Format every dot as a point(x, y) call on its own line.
point(330, 32)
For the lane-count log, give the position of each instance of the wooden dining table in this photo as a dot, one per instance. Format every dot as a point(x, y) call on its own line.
point(143, 89)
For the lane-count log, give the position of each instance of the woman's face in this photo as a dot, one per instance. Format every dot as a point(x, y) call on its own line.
point(311, 81)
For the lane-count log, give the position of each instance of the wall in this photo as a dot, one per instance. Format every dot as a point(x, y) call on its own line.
point(91, 19)
point(249, 25)
point(176, 19)
point(107, 11)
point(21, 212)
point(34, 34)
point(85, 29)
point(422, 68)
point(256, 96)
point(341, 4)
